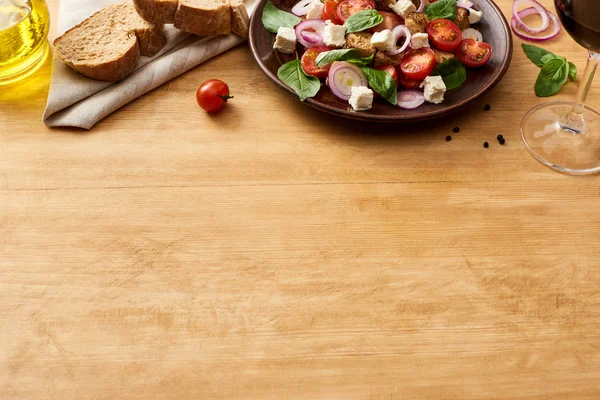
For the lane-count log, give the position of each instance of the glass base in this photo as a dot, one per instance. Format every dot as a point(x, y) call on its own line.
point(32, 64)
point(562, 149)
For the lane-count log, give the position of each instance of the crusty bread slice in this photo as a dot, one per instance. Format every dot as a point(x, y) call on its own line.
point(239, 18)
point(204, 17)
point(107, 45)
point(157, 11)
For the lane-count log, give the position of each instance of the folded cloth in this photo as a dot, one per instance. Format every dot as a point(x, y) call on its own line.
point(78, 101)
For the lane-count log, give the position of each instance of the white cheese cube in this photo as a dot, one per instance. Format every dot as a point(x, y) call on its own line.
point(434, 89)
point(315, 11)
point(475, 16)
point(403, 7)
point(419, 40)
point(285, 41)
point(334, 35)
point(384, 40)
point(361, 98)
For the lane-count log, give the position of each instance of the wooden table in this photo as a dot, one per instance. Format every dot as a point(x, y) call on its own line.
point(273, 251)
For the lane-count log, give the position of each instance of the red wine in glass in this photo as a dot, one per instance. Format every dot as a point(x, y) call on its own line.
point(566, 135)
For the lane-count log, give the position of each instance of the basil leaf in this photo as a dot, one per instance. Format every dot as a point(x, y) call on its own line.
point(273, 18)
point(363, 20)
point(573, 71)
point(551, 56)
point(452, 72)
point(535, 53)
point(292, 74)
point(383, 83)
point(327, 57)
point(362, 61)
point(441, 9)
point(553, 75)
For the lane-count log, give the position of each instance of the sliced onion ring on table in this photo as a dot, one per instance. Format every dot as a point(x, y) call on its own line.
point(409, 99)
point(310, 33)
point(464, 4)
point(400, 31)
point(471, 33)
point(539, 9)
point(301, 8)
point(530, 11)
point(342, 76)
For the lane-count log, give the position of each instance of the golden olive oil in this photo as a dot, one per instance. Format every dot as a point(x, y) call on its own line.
point(24, 28)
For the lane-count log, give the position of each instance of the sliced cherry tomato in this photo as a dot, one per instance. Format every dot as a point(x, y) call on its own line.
point(408, 83)
point(390, 20)
point(417, 64)
point(309, 65)
point(389, 68)
point(330, 12)
point(349, 7)
point(444, 34)
point(473, 53)
point(212, 95)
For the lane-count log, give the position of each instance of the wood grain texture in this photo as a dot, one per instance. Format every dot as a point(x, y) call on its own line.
point(274, 252)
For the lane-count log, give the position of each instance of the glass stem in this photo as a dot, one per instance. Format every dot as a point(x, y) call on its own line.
point(574, 121)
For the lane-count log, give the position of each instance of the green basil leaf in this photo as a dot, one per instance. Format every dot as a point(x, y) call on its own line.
point(273, 18)
point(383, 83)
point(553, 75)
point(327, 57)
point(362, 61)
point(452, 72)
point(363, 20)
point(535, 53)
point(551, 56)
point(573, 71)
point(441, 9)
point(292, 74)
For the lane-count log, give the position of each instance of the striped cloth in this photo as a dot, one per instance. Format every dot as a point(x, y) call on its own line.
point(77, 101)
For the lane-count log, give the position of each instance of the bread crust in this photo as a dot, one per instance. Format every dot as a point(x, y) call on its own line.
point(239, 18)
point(157, 11)
point(203, 21)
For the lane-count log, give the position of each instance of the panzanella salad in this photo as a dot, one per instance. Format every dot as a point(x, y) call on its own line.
point(405, 52)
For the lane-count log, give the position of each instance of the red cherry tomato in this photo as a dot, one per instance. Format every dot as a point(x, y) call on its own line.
point(408, 83)
point(330, 12)
point(349, 7)
point(212, 95)
point(390, 20)
point(444, 34)
point(389, 68)
point(309, 65)
point(417, 64)
point(473, 53)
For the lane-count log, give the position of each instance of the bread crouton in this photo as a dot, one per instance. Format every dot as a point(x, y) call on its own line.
point(384, 5)
point(441, 56)
point(462, 18)
point(416, 22)
point(360, 41)
point(383, 59)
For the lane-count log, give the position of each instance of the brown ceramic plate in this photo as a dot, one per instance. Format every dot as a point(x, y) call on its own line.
point(495, 31)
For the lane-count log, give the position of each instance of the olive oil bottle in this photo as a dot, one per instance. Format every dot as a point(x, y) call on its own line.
point(24, 26)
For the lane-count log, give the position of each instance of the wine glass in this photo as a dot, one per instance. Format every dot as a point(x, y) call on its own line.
point(561, 134)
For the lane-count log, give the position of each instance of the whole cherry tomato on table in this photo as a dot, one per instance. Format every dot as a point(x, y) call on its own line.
point(212, 95)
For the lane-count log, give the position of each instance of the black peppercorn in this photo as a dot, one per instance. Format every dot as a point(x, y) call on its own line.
point(456, 129)
point(487, 107)
point(500, 137)
point(448, 138)
point(502, 140)
point(486, 144)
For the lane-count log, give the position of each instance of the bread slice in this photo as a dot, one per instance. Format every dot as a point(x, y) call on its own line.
point(157, 11)
point(107, 45)
point(239, 18)
point(204, 17)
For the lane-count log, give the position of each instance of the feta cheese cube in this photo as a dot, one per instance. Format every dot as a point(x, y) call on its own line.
point(334, 35)
point(315, 11)
point(434, 89)
point(419, 40)
point(361, 98)
point(403, 7)
point(384, 40)
point(285, 41)
point(475, 16)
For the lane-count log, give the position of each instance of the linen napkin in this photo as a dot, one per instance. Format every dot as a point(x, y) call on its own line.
point(77, 101)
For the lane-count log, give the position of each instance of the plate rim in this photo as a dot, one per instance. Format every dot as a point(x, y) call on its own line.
point(384, 118)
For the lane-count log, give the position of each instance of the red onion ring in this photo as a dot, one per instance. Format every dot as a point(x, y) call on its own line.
point(473, 34)
point(314, 36)
point(465, 4)
point(409, 99)
point(530, 11)
point(422, 6)
point(400, 31)
point(342, 76)
point(301, 8)
point(540, 9)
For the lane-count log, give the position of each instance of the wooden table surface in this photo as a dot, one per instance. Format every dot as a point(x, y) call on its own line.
point(273, 251)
